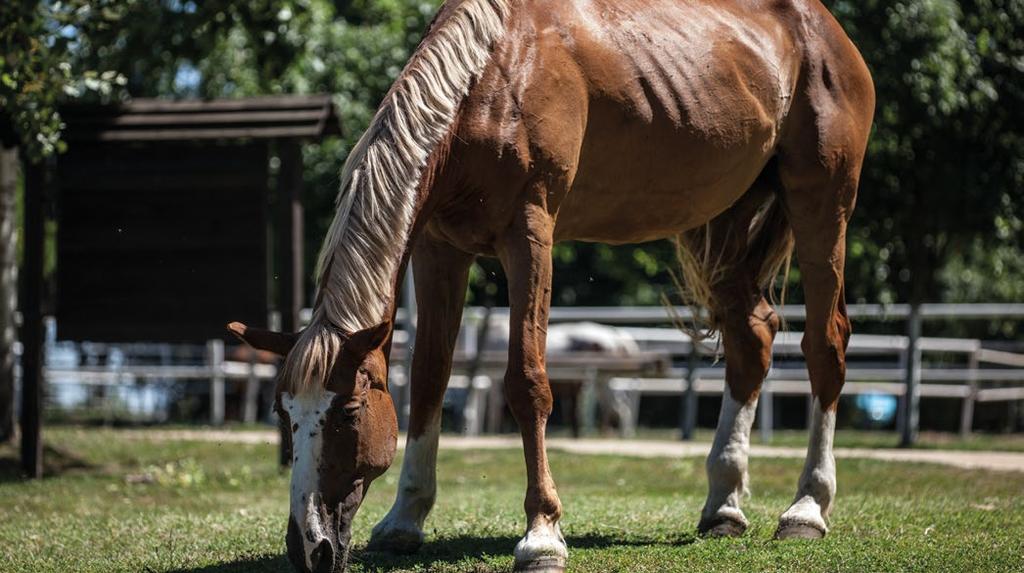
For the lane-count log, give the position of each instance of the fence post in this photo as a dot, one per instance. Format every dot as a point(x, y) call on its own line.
point(32, 329)
point(215, 360)
point(912, 399)
point(252, 393)
point(967, 409)
point(689, 417)
point(766, 414)
point(8, 287)
point(479, 395)
point(405, 392)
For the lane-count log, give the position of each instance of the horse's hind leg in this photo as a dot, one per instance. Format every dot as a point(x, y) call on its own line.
point(820, 174)
point(441, 273)
point(819, 227)
point(748, 326)
point(748, 329)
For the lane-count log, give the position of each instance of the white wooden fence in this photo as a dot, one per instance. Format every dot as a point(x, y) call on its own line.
point(985, 375)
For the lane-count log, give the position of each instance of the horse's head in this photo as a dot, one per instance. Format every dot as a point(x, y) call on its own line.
point(341, 432)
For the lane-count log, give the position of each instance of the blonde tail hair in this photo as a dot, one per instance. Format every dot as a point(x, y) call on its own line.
point(709, 254)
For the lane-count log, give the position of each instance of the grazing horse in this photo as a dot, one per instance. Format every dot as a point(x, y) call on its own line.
point(740, 125)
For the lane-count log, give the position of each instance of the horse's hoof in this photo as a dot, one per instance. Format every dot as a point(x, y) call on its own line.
point(798, 531)
point(721, 527)
point(400, 541)
point(545, 564)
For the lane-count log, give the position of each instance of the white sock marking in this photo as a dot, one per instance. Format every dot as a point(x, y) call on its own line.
point(817, 487)
point(727, 462)
point(416, 486)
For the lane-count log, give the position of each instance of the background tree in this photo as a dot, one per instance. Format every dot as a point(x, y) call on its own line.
point(940, 209)
point(36, 72)
point(943, 175)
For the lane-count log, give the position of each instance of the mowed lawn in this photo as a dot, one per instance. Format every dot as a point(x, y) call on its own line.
point(129, 504)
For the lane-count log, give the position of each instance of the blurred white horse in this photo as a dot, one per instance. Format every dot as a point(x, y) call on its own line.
point(573, 337)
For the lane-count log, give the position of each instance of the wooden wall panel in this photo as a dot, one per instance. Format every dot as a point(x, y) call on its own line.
point(161, 242)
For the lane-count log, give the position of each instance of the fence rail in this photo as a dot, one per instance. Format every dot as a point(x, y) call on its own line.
point(793, 312)
point(651, 372)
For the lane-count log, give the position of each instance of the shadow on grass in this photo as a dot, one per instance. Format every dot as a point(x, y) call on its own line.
point(439, 552)
point(56, 462)
point(267, 564)
point(456, 549)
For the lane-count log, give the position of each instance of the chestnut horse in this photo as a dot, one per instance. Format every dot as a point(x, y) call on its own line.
point(738, 125)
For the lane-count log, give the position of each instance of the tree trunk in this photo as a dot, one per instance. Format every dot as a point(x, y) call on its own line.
point(8, 287)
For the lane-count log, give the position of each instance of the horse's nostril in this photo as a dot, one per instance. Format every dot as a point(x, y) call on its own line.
point(351, 410)
point(322, 557)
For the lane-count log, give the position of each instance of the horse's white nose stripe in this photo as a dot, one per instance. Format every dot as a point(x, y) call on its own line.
point(307, 413)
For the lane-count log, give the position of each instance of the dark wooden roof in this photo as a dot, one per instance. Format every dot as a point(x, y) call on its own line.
point(273, 117)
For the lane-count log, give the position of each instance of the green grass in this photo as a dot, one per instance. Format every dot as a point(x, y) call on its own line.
point(133, 505)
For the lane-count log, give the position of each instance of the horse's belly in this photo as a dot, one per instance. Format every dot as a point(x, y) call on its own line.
point(638, 182)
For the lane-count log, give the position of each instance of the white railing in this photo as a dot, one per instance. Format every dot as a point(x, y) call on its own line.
point(650, 373)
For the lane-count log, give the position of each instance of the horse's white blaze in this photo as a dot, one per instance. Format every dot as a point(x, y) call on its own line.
point(417, 486)
point(306, 414)
point(817, 487)
point(727, 462)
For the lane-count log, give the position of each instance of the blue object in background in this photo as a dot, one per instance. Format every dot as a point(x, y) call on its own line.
point(878, 409)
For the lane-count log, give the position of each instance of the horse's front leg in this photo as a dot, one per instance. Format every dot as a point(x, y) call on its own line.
point(441, 273)
point(525, 253)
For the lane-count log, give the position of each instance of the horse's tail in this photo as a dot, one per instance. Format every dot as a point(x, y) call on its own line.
point(751, 241)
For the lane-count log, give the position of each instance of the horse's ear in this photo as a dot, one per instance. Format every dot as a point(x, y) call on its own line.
point(279, 343)
point(367, 340)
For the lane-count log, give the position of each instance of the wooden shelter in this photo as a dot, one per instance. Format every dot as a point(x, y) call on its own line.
point(172, 218)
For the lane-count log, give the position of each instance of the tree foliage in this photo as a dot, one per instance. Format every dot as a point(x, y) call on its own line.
point(37, 71)
point(940, 209)
point(943, 173)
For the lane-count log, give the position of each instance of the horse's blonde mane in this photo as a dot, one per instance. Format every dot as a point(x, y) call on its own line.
point(363, 249)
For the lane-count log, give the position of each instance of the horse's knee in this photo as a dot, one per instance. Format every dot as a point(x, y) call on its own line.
point(528, 394)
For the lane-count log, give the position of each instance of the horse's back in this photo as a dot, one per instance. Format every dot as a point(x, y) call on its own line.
point(659, 114)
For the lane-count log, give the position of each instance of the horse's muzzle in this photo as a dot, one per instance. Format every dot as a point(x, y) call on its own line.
point(328, 556)
point(323, 547)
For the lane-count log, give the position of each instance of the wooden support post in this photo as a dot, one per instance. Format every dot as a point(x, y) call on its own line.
point(967, 408)
point(32, 321)
point(8, 287)
point(290, 251)
point(252, 394)
point(215, 360)
point(901, 407)
point(478, 394)
point(912, 400)
point(689, 405)
point(289, 236)
point(476, 405)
